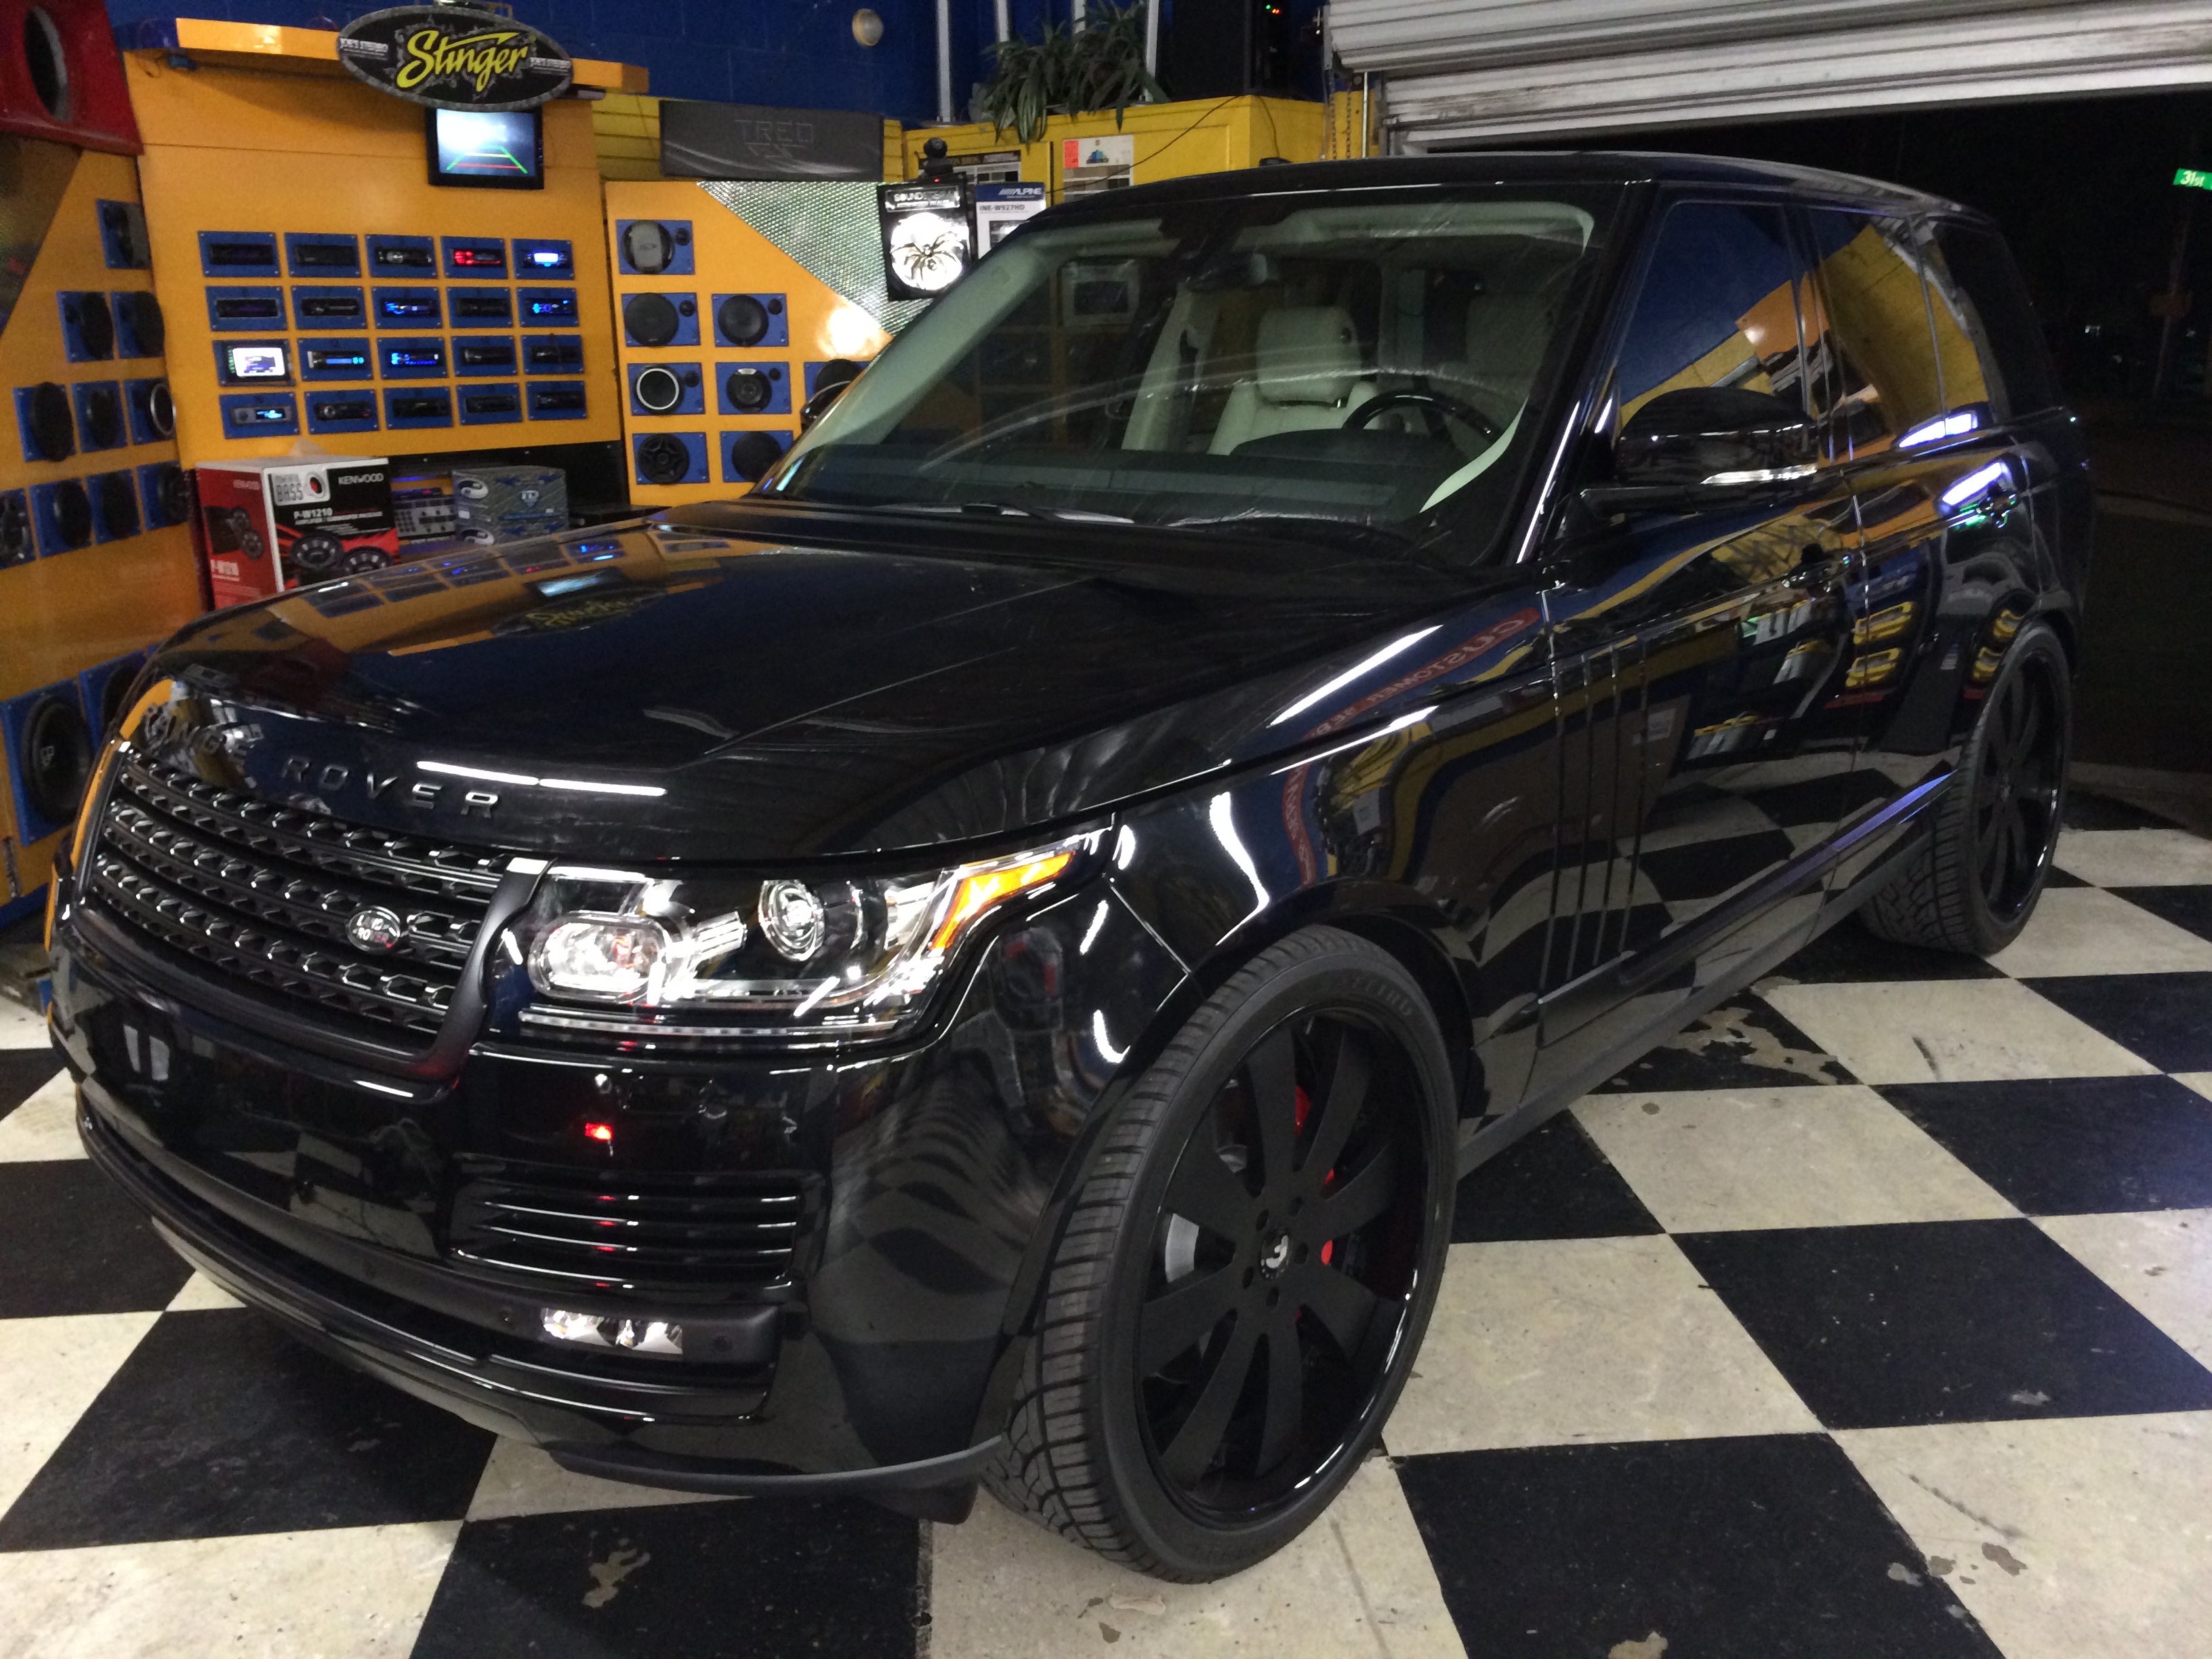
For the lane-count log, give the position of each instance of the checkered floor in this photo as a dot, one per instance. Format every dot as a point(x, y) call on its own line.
point(1870, 1316)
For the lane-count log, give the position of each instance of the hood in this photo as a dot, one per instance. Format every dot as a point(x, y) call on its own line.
point(686, 692)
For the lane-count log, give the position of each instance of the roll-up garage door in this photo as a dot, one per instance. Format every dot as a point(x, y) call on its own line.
point(1455, 73)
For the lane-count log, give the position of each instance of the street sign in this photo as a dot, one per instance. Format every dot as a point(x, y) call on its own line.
point(2194, 178)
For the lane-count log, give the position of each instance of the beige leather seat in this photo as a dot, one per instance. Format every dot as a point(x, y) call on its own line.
point(1305, 378)
point(1506, 334)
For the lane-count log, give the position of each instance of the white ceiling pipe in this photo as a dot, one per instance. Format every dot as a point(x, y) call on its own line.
point(944, 61)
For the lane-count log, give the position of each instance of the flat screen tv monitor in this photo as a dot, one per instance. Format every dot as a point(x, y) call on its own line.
point(487, 149)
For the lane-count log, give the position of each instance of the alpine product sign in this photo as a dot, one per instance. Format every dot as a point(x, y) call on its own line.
point(454, 58)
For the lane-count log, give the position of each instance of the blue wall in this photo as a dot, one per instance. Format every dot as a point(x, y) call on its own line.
point(795, 52)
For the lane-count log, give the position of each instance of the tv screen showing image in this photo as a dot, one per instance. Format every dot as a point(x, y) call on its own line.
point(487, 149)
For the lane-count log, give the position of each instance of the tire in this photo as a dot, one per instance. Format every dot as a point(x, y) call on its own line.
point(1976, 880)
point(1155, 1327)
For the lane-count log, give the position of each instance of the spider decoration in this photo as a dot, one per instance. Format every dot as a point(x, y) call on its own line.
point(929, 251)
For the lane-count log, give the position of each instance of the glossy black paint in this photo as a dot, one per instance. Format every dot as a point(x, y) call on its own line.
point(1583, 785)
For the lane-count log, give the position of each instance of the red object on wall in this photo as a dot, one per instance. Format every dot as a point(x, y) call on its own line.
point(61, 77)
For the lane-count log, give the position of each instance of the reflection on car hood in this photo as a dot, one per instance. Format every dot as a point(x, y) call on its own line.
point(658, 691)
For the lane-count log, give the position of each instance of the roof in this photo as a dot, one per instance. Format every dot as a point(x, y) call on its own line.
point(1506, 166)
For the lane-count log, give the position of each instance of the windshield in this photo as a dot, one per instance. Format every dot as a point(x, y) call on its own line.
point(1355, 362)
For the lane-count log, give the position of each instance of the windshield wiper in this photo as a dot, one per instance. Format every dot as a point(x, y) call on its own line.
point(1008, 509)
point(1314, 525)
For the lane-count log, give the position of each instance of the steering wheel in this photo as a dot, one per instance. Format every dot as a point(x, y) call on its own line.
point(1434, 407)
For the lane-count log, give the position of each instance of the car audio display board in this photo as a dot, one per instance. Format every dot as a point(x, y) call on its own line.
point(465, 319)
point(728, 301)
point(95, 551)
point(455, 58)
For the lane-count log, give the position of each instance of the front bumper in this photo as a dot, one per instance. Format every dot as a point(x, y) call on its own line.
point(878, 1362)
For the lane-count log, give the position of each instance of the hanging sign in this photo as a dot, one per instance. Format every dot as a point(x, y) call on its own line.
point(454, 58)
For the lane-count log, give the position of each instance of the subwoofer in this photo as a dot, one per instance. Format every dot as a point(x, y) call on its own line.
point(53, 430)
point(650, 320)
point(55, 761)
point(103, 418)
point(751, 454)
point(72, 513)
point(748, 390)
point(657, 390)
point(141, 314)
point(663, 458)
point(741, 319)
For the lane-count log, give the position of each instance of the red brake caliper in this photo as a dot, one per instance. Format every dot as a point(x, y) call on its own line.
point(1305, 1107)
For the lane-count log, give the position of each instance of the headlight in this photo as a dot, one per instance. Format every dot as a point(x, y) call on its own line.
point(622, 951)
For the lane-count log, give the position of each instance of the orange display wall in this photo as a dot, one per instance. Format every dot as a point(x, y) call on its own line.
point(757, 286)
point(290, 204)
point(95, 560)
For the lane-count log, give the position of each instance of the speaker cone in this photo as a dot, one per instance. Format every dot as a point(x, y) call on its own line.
point(157, 408)
point(657, 390)
point(95, 325)
point(143, 312)
point(663, 458)
point(648, 246)
point(72, 512)
point(742, 320)
point(53, 433)
point(103, 417)
point(14, 531)
point(750, 390)
point(317, 555)
point(650, 320)
point(118, 505)
point(751, 454)
point(172, 494)
point(56, 759)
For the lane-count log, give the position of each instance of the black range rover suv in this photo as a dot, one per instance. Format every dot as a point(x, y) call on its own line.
point(984, 961)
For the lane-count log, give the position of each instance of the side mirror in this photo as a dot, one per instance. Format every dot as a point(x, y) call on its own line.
point(1714, 437)
point(831, 381)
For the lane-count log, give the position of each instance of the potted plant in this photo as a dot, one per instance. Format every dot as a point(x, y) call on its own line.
point(1071, 71)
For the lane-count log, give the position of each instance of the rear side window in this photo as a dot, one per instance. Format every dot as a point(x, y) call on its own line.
point(1874, 373)
point(1718, 308)
point(1979, 296)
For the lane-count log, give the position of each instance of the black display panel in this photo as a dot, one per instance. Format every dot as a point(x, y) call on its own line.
point(487, 149)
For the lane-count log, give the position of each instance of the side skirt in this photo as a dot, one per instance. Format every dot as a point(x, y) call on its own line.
point(1491, 1139)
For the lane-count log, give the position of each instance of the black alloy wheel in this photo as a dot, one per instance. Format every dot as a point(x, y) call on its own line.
point(1975, 883)
point(1245, 1279)
point(1289, 1236)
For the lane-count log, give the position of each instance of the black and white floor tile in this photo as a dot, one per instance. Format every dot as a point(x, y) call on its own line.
point(1871, 1315)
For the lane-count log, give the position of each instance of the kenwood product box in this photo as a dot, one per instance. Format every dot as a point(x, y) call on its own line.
point(273, 524)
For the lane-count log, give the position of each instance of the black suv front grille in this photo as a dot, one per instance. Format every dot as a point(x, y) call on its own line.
point(261, 894)
point(653, 1235)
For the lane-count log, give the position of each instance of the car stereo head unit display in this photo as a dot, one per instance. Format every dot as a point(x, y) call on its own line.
point(487, 149)
point(265, 362)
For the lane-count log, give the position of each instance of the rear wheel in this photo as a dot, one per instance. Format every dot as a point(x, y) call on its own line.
point(1975, 883)
point(1246, 1274)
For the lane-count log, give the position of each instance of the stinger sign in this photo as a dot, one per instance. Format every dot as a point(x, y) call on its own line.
point(454, 58)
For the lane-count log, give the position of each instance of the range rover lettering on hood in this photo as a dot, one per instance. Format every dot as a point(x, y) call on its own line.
point(333, 776)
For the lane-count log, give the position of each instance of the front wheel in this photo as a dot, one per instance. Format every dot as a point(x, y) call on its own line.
point(1246, 1273)
point(1975, 883)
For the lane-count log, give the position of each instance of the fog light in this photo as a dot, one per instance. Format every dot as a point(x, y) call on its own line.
point(611, 1331)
